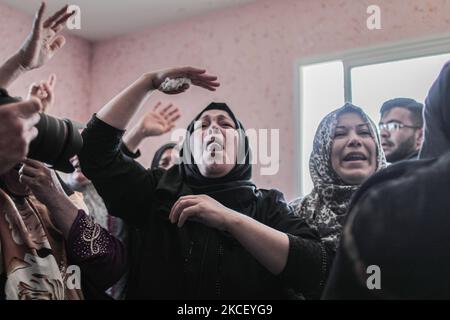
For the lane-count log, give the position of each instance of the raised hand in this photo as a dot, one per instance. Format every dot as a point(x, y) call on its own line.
point(45, 185)
point(159, 120)
point(156, 122)
point(44, 39)
point(119, 111)
point(197, 77)
point(44, 91)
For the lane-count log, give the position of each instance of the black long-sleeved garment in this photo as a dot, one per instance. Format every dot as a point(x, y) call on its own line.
point(437, 117)
point(195, 261)
point(398, 221)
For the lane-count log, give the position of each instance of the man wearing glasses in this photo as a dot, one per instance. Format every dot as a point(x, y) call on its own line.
point(401, 129)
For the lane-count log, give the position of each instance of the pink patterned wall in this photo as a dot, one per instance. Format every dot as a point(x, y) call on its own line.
point(251, 48)
point(71, 66)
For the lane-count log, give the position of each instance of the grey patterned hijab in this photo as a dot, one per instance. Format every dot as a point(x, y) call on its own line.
point(325, 207)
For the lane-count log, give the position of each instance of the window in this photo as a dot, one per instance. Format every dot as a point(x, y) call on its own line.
point(366, 78)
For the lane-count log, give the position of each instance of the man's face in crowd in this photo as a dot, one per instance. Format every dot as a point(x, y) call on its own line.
point(405, 140)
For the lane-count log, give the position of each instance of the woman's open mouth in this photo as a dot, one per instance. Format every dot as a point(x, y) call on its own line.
point(354, 157)
point(214, 144)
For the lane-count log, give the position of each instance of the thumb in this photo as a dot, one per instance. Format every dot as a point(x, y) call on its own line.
point(57, 43)
point(27, 109)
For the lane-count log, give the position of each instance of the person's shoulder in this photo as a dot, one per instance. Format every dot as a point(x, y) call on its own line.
point(274, 198)
point(272, 194)
point(158, 173)
point(168, 180)
point(405, 186)
point(446, 68)
point(296, 205)
point(446, 65)
point(392, 173)
point(421, 188)
point(400, 217)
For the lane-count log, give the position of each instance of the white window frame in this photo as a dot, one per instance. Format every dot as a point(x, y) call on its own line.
point(401, 50)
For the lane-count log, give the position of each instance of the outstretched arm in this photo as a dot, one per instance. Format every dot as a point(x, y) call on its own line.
point(119, 111)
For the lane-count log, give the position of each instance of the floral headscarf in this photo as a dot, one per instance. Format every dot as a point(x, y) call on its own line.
point(325, 207)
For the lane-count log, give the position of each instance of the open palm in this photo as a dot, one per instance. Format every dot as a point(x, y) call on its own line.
point(198, 77)
point(43, 41)
point(159, 120)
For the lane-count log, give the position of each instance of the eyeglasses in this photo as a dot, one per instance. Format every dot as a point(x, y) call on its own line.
point(394, 126)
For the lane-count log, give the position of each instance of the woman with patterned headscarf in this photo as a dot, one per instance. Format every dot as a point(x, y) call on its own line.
point(346, 151)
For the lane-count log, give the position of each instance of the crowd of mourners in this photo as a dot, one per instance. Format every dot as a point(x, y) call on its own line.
point(187, 226)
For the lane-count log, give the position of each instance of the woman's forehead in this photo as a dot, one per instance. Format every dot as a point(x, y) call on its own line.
point(168, 152)
point(350, 119)
point(215, 114)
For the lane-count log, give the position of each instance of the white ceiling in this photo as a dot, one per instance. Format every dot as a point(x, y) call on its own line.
point(103, 19)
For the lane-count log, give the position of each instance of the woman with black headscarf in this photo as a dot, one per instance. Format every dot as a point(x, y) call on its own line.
point(164, 157)
point(206, 231)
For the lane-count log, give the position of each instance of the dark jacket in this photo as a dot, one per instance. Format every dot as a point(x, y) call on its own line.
point(399, 221)
point(437, 117)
